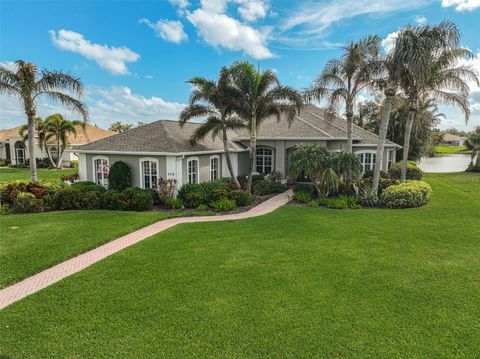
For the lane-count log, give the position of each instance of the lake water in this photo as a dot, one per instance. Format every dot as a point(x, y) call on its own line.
point(448, 163)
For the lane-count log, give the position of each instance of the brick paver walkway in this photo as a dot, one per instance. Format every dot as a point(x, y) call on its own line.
point(52, 275)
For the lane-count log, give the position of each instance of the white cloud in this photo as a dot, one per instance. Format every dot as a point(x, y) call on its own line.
point(315, 18)
point(388, 43)
point(220, 30)
point(149, 77)
point(167, 29)
point(214, 6)
point(112, 59)
point(252, 10)
point(106, 105)
point(421, 20)
point(182, 4)
point(462, 5)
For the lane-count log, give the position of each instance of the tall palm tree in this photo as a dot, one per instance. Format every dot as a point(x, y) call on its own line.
point(28, 84)
point(215, 101)
point(59, 128)
point(261, 96)
point(342, 80)
point(42, 135)
point(441, 77)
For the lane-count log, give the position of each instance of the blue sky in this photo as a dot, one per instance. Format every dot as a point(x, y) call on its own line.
point(135, 57)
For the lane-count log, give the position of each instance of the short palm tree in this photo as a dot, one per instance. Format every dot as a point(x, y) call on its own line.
point(261, 96)
point(58, 128)
point(28, 84)
point(342, 80)
point(42, 137)
point(215, 101)
point(473, 144)
point(441, 77)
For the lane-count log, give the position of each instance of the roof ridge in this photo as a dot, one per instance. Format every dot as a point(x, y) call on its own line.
point(331, 122)
point(314, 126)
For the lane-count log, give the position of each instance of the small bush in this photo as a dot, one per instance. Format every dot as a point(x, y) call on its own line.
point(119, 176)
point(136, 199)
point(302, 197)
point(338, 203)
point(4, 209)
point(413, 171)
point(88, 186)
point(52, 185)
point(67, 199)
point(165, 189)
point(242, 198)
point(26, 203)
point(322, 201)
point(262, 188)
point(306, 187)
point(367, 197)
point(383, 183)
point(4, 163)
point(313, 204)
point(369, 174)
point(71, 177)
point(224, 205)
point(406, 195)
point(202, 208)
point(175, 203)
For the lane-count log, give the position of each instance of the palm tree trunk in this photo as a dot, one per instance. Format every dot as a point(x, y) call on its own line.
point(59, 157)
point(253, 152)
point(228, 159)
point(349, 129)
point(49, 156)
point(382, 136)
point(406, 144)
point(31, 142)
point(477, 163)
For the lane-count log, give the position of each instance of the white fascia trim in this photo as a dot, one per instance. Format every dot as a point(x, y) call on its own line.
point(142, 153)
point(375, 145)
point(292, 138)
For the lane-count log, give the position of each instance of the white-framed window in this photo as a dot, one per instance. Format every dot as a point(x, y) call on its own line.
point(192, 170)
point(100, 170)
point(20, 155)
point(264, 162)
point(367, 159)
point(148, 172)
point(389, 158)
point(214, 167)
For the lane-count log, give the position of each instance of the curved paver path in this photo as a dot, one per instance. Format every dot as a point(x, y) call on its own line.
point(52, 275)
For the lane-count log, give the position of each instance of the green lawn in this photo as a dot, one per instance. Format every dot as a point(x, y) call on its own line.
point(30, 243)
point(451, 150)
point(8, 174)
point(299, 282)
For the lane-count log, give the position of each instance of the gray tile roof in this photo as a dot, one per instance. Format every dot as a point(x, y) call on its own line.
point(167, 136)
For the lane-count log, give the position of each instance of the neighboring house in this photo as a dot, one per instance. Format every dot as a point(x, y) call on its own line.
point(453, 140)
point(15, 150)
point(162, 149)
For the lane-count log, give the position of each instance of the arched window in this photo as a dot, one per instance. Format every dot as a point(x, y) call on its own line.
point(214, 168)
point(192, 170)
point(264, 160)
point(100, 170)
point(20, 153)
point(367, 159)
point(148, 172)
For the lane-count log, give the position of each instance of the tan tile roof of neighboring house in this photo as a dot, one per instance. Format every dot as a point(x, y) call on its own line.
point(160, 136)
point(452, 137)
point(167, 136)
point(6, 134)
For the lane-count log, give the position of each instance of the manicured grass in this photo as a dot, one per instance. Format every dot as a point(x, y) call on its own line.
point(30, 243)
point(299, 282)
point(8, 174)
point(451, 150)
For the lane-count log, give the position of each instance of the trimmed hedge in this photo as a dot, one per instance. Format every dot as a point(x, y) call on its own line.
point(119, 176)
point(262, 188)
point(413, 171)
point(406, 195)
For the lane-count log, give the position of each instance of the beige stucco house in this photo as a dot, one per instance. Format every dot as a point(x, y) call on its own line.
point(162, 149)
point(15, 150)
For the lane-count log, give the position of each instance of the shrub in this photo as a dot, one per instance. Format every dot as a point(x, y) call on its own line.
point(262, 188)
point(74, 164)
point(413, 171)
point(241, 197)
point(192, 195)
point(71, 177)
point(302, 197)
point(337, 203)
point(306, 187)
point(3, 209)
point(322, 201)
point(88, 186)
point(67, 199)
point(224, 205)
point(367, 197)
point(202, 208)
point(26, 203)
point(119, 176)
point(313, 204)
point(406, 195)
point(369, 174)
point(175, 203)
point(383, 183)
point(165, 189)
point(4, 162)
point(52, 185)
point(136, 199)
point(9, 191)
